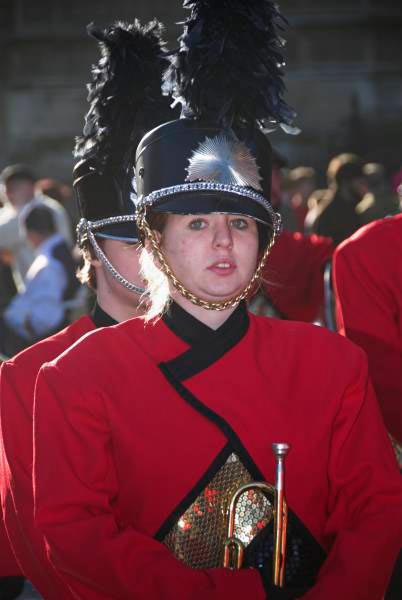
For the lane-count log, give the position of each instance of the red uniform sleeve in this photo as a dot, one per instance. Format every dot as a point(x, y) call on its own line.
point(365, 505)
point(8, 564)
point(293, 277)
point(368, 313)
point(75, 486)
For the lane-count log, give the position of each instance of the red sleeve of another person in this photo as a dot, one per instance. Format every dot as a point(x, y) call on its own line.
point(368, 285)
point(293, 277)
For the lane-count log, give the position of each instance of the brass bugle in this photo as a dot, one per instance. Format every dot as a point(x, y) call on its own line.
point(234, 548)
point(280, 515)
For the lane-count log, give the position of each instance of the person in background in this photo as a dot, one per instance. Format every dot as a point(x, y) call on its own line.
point(313, 207)
point(367, 274)
point(379, 201)
point(396, 180)
point(279, 194)
point(132, 64)
point(39, 310)
point(292, 280)
point(301, 183)
point(7, 285)
point(63, 193)
point(335, 216)
point(18, 183)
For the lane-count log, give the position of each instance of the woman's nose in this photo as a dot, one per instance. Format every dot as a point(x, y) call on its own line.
point(222, 234)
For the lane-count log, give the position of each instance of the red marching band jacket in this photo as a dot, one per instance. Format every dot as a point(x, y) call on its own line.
point(368, 284)
point(17, 384)
point(133, 429)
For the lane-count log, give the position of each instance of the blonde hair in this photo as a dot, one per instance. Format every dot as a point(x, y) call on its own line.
point(157, 286)
point(86, 273)
point(157, 283)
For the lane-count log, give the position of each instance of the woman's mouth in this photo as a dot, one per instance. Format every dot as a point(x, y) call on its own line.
point(222, 267)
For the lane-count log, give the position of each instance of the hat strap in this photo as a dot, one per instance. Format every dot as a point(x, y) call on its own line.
point(85, 227)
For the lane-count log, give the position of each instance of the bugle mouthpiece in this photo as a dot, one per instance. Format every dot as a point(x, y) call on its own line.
point(280, 448)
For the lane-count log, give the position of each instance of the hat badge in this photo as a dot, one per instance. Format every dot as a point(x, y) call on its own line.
point(223, 159)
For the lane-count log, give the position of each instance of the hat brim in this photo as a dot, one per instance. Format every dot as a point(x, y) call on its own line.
point(124, 232)
point(205, 202)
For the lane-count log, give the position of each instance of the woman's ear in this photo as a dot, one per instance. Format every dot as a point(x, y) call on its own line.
point(158, 235)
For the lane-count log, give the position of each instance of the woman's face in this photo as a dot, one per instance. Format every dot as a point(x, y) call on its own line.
point(124, 256)
point(214, 255)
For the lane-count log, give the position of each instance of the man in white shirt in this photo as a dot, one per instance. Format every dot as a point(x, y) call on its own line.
point(18, 183)
point(39, 310)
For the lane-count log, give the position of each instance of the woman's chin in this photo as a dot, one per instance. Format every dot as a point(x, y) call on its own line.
point(220, 295)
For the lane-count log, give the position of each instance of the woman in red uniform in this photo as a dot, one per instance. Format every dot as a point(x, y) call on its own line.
point(132, 54)
point(144, 431)
point(368, 282)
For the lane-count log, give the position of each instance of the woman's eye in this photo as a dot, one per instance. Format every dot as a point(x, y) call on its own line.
point(197, 224)
point(239, 223)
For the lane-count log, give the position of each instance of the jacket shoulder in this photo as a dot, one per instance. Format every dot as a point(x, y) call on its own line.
point(47, 349)
point(23, 368)
point(370, 235)
point(307, 341)
point(91, 350)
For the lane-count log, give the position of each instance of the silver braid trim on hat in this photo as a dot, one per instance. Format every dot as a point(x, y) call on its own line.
point(238, 190)
point(84, 225)
point(86, 228)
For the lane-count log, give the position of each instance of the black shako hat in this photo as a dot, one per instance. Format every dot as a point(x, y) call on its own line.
point(101, 195)
point(189, 167)
point(125, 101)
point(227, 76)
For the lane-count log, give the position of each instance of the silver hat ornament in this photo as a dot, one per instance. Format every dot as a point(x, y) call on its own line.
point(224, 159)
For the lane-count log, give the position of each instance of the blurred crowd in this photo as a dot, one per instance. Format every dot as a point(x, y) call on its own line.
point(39, 291)
point(297, 280)
point(357, 193)
point(38, 260)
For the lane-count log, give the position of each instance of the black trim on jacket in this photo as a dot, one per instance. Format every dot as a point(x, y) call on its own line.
point(101, 318)
point(206, 345)
point(188, 500)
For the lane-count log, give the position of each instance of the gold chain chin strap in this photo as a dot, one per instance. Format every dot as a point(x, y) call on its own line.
point(147, 233)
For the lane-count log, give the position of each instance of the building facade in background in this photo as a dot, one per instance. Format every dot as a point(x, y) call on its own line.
point(344, 76)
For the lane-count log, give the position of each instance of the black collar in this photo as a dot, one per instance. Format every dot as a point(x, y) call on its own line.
point(206, 345)
point(100, 317)
point(192, 331)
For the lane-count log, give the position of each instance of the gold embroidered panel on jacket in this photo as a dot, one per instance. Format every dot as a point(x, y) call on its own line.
point(198, 537)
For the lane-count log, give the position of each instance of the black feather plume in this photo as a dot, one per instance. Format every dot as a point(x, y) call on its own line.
point(125, 93)
point(229, 65)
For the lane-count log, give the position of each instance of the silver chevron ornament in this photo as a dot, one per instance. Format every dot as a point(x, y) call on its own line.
point(224, 160)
